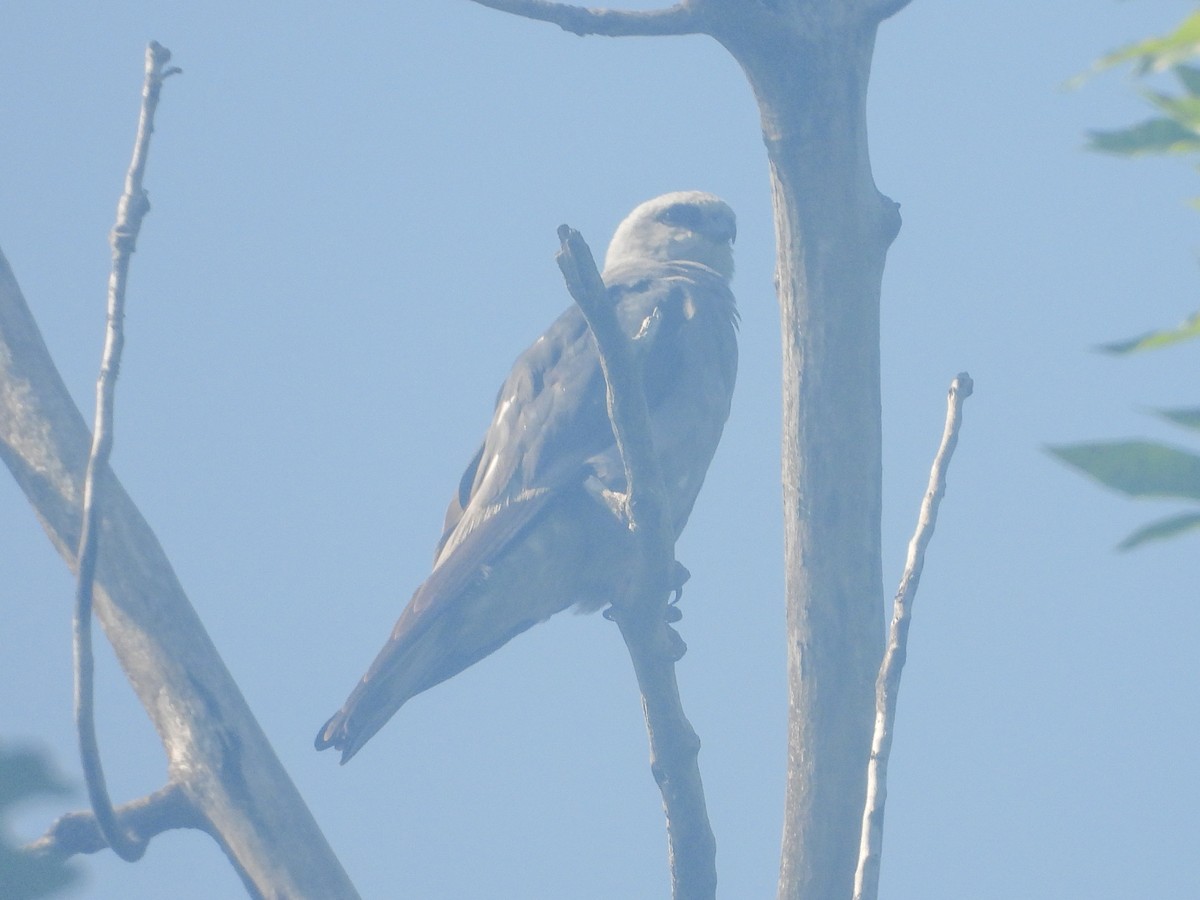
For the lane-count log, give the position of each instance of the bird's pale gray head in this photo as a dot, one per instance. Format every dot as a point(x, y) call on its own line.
point(686, 226)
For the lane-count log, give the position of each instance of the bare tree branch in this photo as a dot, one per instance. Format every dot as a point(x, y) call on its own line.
point(131, 209)
point(217, 755)
point(216, 751)
point(887, 686)
point(653, 645)
point(79, 832)
point(674, 20)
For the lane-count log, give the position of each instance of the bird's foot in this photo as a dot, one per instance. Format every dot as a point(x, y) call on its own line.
point(678, 579)
point(676, 645)
point(673, 613)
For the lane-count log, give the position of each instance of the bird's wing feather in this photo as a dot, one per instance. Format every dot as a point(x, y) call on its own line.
point(550, 440)
point(551, 427)
point(550, 431)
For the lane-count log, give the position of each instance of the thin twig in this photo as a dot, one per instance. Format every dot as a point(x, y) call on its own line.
point(653, 645)
point(675, 20)
point(887, 685)
point(131, 209)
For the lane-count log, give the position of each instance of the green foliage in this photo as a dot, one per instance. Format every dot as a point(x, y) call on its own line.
point(1188, 418)
point(1137, 468)
point(1157, 54)
point(1176, 130)
point(26, 775)
point(1144, 468)
point(1163, 528)
point(1159, 135)
point(1177, 127)
point(1153, 340)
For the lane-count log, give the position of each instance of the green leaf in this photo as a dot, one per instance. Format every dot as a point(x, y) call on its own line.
point(1184, 111)
point(24, 877)
point(24, 775)
point(1188, 417)
point(1152, 136)
point(1152, 340)
point(1157, 54)
point(1163, 528)
point(1189, 77)
point(1137, 468)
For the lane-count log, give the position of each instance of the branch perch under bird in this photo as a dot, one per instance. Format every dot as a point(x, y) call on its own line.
point(565, 503)
point(641, 615)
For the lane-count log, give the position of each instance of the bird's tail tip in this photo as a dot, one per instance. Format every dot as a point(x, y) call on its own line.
point(336, 734)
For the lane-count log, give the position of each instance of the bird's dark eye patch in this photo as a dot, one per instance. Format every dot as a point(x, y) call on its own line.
point(682, 215)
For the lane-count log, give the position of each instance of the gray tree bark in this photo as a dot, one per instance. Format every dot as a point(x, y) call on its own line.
point(808, 65)
point(224, 778)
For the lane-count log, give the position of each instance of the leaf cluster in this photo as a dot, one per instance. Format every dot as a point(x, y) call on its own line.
point(1176, 128)
point(1145, 469)
point(1139, 468)
point(28, 775)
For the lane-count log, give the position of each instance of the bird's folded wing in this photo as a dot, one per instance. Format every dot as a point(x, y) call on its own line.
point(482, 536)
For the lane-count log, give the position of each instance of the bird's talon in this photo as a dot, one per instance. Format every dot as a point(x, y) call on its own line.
point(681, 576)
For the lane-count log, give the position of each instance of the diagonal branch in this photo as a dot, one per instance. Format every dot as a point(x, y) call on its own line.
point(887, 686)
point(218, 756)
point(653, 645)
point(674, 20)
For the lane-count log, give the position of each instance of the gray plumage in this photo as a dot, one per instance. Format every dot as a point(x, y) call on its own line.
point(529, 532)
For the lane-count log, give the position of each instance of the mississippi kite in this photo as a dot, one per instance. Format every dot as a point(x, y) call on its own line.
point(530, 531)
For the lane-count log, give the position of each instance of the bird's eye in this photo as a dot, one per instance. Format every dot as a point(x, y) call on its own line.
point(682, 216)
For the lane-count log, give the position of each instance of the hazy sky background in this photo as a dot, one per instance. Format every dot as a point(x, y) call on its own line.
point(353, 225)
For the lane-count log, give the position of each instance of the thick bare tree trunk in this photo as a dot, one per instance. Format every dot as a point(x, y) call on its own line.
point(808, 65)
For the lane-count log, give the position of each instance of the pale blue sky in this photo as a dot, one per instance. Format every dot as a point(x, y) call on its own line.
point(353, 224)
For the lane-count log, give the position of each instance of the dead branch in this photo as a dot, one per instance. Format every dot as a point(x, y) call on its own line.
point(79, 832)
point(131, 209)
point(653, 645)
point(887, 685)
point(218, 757)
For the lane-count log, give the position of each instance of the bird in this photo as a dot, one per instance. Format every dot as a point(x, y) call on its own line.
point(533, 528)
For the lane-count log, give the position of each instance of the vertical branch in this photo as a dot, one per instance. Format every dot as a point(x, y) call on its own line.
point(887, 685)
point(653, 645)
point(809, 71)
point(131, 209)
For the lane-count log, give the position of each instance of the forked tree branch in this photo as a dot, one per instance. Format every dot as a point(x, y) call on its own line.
point(674, 20)
point(218, 758)
point(653, 645)
point(887, 685)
